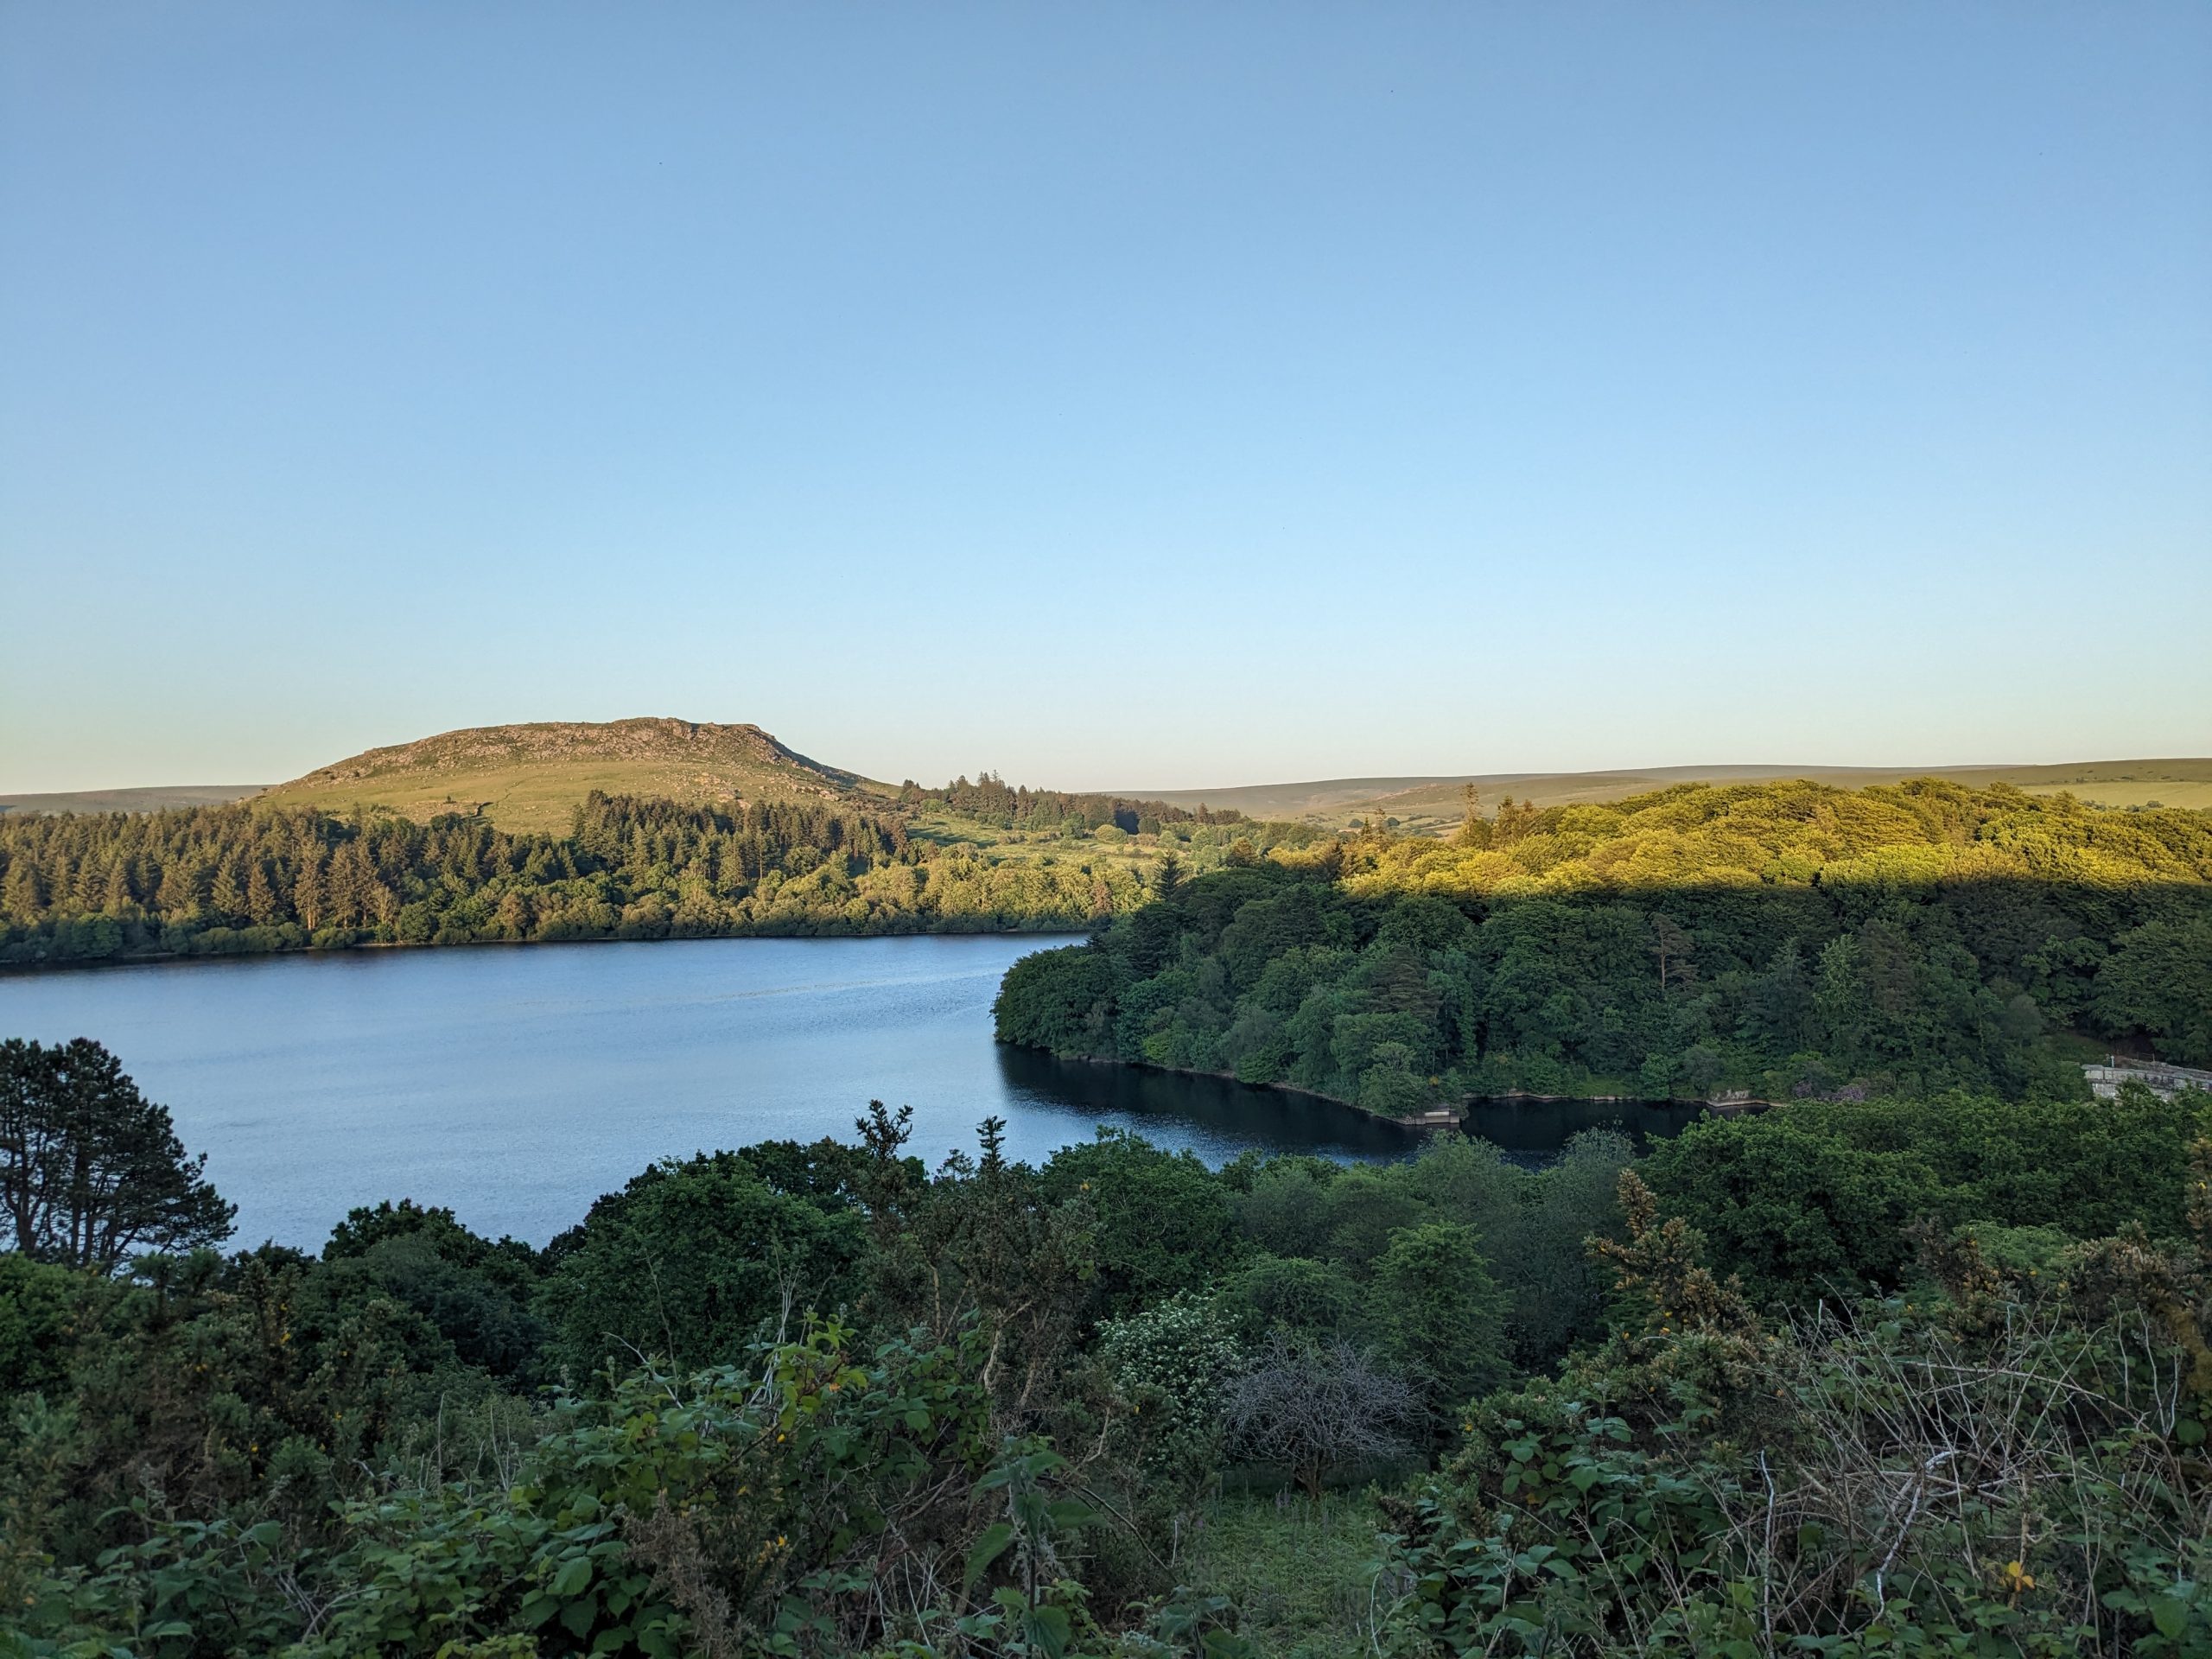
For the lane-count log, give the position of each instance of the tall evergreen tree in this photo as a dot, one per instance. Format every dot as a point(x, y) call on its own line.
point(90, 1169)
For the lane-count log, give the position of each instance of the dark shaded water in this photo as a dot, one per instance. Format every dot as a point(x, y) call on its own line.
point(517, 1084)
point(1531, 1130)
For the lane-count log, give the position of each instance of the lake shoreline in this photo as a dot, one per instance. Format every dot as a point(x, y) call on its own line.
point(143, 958)
point(1444, 1117)
point(518, 1087)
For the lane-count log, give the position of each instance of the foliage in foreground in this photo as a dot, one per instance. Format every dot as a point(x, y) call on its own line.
point(2012, 1463)
point(815, 1399)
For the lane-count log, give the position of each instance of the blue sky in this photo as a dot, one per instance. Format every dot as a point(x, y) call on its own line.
point(1111, 395)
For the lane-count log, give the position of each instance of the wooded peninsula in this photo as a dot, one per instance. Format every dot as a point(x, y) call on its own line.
point(1783, 940)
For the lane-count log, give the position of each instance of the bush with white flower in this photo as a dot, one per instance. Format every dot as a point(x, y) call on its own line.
point(1168, 1366)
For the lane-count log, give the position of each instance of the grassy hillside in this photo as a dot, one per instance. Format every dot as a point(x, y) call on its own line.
point(1433, 803)
point(1333, 798)
point(533, 777)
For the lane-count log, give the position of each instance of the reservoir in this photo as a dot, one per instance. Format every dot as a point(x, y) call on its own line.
point(516, 1084)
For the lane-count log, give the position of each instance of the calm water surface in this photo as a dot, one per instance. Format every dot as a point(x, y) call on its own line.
point(518, 1084)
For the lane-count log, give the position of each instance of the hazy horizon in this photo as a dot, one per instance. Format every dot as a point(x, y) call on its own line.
point(1218, 783)
point(1110, 397)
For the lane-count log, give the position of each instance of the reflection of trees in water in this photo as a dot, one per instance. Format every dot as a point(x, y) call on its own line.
point(1272, 1118)
point(1541, 1127)
point(1279, 1120)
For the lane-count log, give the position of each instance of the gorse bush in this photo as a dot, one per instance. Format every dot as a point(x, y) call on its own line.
point(2000, 1464)
point(785, 1504)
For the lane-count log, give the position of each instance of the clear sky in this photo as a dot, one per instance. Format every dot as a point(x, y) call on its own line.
point(1111, 395)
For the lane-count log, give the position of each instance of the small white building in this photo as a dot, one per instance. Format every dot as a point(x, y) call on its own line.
point(2163, 1081)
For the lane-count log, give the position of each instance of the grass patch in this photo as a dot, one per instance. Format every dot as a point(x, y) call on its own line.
point(1300, 1573)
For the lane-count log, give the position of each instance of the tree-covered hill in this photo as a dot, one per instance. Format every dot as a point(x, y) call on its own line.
point(251, 877)
point(1422, 804)
point(533, 777)
point(1788, 939)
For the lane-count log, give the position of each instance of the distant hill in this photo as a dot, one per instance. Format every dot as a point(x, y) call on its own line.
point(1420, 802)
point(530, 777)
point(1324, 797)
point(128, 800)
